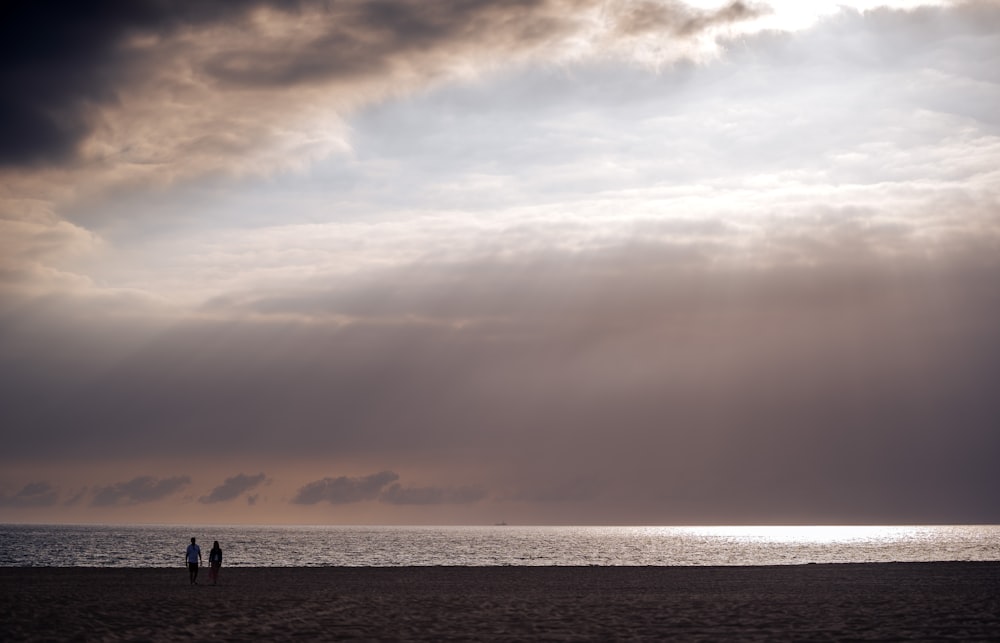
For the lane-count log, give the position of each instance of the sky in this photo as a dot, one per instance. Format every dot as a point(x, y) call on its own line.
point(471, 261)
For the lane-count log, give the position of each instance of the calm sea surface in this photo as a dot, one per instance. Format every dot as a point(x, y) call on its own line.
point(163, 545)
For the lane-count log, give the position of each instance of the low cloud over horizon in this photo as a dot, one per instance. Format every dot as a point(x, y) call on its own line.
point(566, 261)
point(233, 488)
point(138, 490)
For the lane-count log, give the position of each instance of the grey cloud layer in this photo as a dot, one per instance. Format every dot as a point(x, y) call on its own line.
point(852, 390)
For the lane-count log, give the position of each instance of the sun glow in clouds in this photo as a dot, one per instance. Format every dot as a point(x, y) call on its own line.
point(793, 15)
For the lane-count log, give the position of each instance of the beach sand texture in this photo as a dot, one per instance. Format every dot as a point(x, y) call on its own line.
point(894, 601)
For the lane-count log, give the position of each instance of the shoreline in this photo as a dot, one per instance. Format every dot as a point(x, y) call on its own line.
point(908, 601)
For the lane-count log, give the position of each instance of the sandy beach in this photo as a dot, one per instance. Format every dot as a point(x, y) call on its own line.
point(897, 601)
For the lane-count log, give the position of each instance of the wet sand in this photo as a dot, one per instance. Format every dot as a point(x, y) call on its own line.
point(896, 601)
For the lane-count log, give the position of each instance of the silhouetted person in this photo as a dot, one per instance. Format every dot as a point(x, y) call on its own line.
point(193, 557)
point(215, 562)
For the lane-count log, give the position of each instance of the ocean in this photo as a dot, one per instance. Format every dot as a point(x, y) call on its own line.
point(320, 546)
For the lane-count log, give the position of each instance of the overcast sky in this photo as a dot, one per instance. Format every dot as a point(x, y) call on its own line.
point(470, 261)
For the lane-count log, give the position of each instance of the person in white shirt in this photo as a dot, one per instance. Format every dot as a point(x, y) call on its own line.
point(193, 557)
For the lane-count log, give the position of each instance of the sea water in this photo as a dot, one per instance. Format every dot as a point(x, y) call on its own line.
point(310, 546)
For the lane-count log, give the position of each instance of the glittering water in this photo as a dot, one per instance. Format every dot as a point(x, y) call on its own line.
point(163, 545)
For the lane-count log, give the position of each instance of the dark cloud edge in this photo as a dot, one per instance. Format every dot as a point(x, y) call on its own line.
point(62, 61)
point(234, 487)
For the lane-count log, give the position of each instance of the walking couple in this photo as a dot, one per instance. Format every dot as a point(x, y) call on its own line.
point(193, 558)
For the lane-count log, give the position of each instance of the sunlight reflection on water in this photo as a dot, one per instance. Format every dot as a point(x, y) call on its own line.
point(295, 546)
point(815, 534)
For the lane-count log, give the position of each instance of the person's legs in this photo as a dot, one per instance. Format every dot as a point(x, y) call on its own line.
point(193, 569)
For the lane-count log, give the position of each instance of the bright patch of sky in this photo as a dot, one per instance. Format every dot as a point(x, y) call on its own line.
point(853, 120)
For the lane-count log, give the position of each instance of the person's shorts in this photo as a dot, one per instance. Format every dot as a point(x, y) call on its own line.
point(193, 566)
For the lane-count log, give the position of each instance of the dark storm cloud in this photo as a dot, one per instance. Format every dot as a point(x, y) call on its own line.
point(400, 495)
point(344, 490)
point(233, 487)
point(138, 490)
point(61, 59)
point(61, 62)
point(34, 494)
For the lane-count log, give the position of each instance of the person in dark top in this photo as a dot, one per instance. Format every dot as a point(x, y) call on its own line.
point(215, 561)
